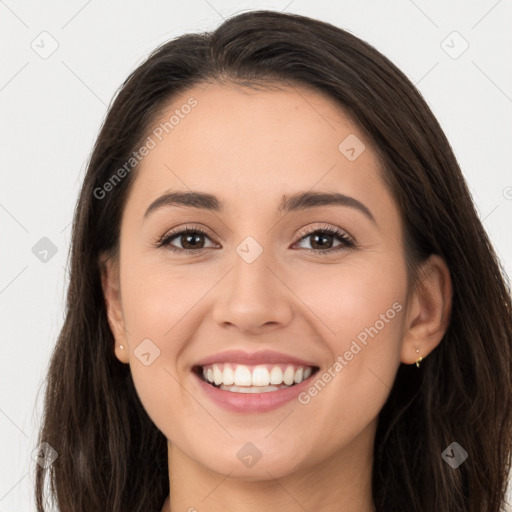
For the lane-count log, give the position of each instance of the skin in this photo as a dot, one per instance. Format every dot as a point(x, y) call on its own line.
point(249, 148)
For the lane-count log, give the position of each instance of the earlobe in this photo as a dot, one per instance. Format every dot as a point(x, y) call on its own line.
point(111, 293)
point(428, 315)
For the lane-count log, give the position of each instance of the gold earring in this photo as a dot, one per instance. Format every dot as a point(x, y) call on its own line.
point(418, 361)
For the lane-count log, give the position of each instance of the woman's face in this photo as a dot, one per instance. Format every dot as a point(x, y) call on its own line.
point(261, 279)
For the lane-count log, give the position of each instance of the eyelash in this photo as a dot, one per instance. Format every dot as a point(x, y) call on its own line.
point(347, 242)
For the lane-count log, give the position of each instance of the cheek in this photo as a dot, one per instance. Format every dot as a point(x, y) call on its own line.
point(349, 298)
point(359, 310)
point(157, 297)
point(156, 304)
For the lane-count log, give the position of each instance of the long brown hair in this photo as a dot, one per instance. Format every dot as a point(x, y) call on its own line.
point(110, 454)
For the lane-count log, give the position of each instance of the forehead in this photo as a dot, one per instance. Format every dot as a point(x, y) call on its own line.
point(253, 145)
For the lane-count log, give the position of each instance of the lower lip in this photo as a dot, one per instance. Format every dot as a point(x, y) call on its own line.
point(253, 402)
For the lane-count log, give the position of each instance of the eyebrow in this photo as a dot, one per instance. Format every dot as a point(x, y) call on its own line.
point(296, 202)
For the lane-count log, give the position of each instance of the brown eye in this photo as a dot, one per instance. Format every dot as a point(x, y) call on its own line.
point(321, 240)
point(191, 240)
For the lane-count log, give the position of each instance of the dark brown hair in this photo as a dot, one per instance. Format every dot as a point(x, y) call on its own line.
point(110, 454)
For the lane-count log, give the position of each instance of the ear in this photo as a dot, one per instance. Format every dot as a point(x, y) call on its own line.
point(428, 314)
point(112, 295)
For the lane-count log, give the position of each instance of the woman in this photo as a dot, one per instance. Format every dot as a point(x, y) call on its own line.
point(281, 296)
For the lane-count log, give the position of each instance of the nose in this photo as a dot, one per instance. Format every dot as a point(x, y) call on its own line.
point(253, 297)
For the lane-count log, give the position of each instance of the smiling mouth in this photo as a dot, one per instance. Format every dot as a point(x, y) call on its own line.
point(263, 378)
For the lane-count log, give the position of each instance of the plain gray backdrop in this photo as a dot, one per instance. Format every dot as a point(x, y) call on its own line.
point(63, 61)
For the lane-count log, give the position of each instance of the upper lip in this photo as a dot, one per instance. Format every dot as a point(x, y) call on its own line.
point(253, 358)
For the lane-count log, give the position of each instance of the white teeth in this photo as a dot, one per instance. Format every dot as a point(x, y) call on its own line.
point(262, 377)
point(217, 375)
point(243, 376)
point(289, 375)
point(228, 376)
point(249, 389)
point(276, 375)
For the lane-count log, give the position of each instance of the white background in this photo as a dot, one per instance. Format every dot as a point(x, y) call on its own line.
point(51, 110)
